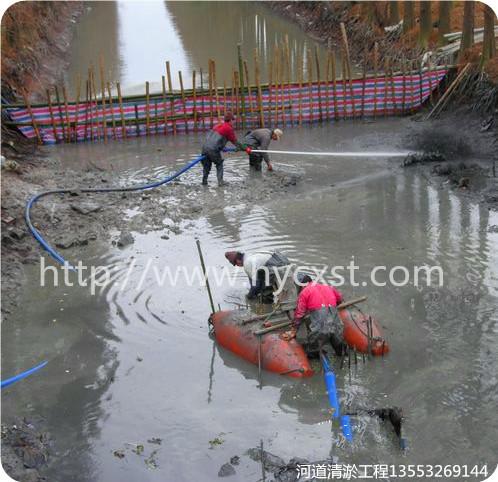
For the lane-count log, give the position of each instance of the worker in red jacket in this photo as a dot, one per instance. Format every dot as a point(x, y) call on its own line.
point(215, 142)
point(318, 301)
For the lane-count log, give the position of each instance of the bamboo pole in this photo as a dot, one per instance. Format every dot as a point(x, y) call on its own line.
point(165, 115)
point(346, 49)
point(87, 84)
point(351, 90)
point(393, 91)
point(203, 105)
point(102, 89)
point(403, 102)
point(300, 68)
point(210, 87)
point(412, 94)
point(156, 123)
point(184, 102)
point(376, 60)
point(172, 101)
point(258, 86)
point(344, 70)
point(121, 111)
point(241, 86)
point(327, 80)
point(421, 83)
point(90, 107)
point(317, 62)
point(334, 84)
point(77, 108)
point(94, 90)
point(51, 111)
point(249, 93)
point(364, 86)
point(275, 68)
point(68, 123)
point(237, 100)
point(288, 65)
point(429, 70)
point(30, 111)
point(386, 86)
point(224, 97)
point(111, 107)
point(194, 100)
point(61, 117)
point(309, 69)
point(215, 88)
point(281, 79)
point(270, 93)
point(147, 102)
point(137, 121)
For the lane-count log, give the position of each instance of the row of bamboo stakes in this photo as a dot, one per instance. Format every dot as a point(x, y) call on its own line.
point(245, 100)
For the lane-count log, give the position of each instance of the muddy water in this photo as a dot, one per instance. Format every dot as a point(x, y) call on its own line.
point(135, 361)
point(135, 41)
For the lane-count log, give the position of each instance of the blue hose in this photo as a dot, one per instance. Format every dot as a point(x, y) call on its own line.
point(56, 255)
point(330, 385)
point(27, 373)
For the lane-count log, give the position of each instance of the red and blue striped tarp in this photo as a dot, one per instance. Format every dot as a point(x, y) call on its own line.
point(284, 104)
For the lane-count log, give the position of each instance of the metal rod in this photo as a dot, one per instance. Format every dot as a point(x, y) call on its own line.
point(201, 257)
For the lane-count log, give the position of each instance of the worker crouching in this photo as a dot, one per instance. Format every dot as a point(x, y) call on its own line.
point(318, 302)
point(259, 139)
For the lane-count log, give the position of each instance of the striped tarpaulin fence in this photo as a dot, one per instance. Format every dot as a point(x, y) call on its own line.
point(280, 105)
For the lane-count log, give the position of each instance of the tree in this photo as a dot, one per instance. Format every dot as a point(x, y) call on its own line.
point(425, 23)
point(393, 13)
point(444, 20)
point(468, 26)
point(489, 41)
point(408, 16)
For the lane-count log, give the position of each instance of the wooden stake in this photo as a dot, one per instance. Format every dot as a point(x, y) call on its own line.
point(344, 70)
point(203, 105)
point(171, 98)
point(346, 49)
point(310, 83)
point(249, 93)
point(163, 85)
point(351, 90)
point(300, 69)
point(288, 65)
point(421, 83)
point(317, 61)
point(281, 79)
point(61, 118)
point(86, 108)
point(33, 121)
point(102, 90)
point(121, 111)
point(241, 86)
point(184, 102)
point(258, 86)
point(334, 85)
point(51, 111)
point(386, 88)
point(376, 60)
point(94, 90)
point(224, 97)
point(393, 91)
point(270, 94)
point(147, 114)
point(275, 68)
point(77, 111)
point(68, 123)
point(215, 88)
point(194, 100)
point(210, 86)
point(237, 99)
point(364, 86)
point(403, 73)
point(111, 107)
point(412, 94)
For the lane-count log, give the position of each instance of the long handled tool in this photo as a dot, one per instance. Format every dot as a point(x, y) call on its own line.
point(337, 154)
point(201, 257)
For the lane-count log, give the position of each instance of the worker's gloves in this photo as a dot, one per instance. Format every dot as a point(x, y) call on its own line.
point(288, 335)
point(248, 150)
point(270, 167)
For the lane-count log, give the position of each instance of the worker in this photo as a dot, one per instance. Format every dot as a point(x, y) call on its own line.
point(260, 268)
point(260, 139)
point(215, 142)
point(319, 302)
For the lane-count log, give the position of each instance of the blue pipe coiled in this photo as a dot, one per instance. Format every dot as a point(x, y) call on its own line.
point(43, 242)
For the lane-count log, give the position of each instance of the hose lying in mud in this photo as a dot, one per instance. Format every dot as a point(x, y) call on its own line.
point(43, 242)
point(27, 373)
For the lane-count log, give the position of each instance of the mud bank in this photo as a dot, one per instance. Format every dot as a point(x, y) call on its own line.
point(35, 40)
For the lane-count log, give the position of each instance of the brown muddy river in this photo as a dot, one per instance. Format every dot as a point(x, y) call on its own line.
point(135, 362)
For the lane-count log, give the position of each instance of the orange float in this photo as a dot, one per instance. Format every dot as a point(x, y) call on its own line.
point(277, 355)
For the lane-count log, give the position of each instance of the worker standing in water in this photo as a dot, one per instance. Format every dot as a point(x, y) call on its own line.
point(319, 302)
point(260, 139)
point(215, 142)
point(260, 269)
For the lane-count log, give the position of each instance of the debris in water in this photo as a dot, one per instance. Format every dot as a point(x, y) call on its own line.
point(423, 158)
point(139, 449)
point(150, 461)
point(226, 470)
point(155, 440)
point(119, 454)
point(139, 358)
point(235, 460)
point(216, 441)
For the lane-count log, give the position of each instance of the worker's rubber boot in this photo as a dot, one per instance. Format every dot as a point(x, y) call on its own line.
point(219, 175)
